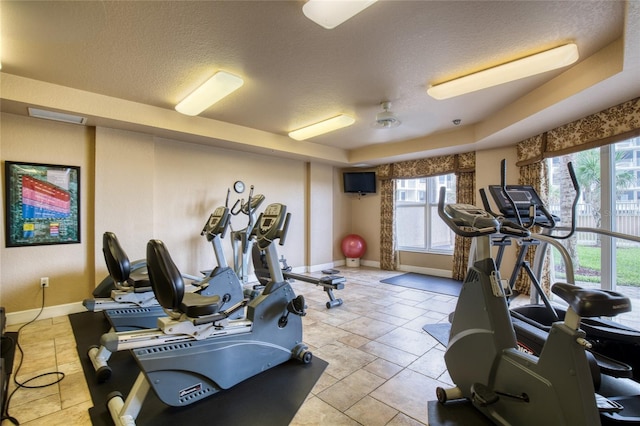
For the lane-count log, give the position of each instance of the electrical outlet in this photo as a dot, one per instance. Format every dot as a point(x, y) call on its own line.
point(44, 282)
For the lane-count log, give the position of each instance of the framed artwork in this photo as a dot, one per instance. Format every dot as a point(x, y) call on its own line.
point(42, 204)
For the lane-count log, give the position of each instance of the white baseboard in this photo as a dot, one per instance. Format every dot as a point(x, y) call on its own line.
point(330, 265)
point(426, 271)
point(370, 263)
point(22, 317)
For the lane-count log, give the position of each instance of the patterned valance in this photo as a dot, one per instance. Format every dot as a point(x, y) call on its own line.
point(605, 127)
point(428, 166)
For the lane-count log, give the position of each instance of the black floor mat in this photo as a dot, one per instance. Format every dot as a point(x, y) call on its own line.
point(439, 331)
point(455, 413)
point(440, 285)
point(270, 398)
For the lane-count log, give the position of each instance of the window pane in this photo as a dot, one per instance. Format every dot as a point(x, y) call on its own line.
point(410, 227)
point(418, 226)
point(441, 237)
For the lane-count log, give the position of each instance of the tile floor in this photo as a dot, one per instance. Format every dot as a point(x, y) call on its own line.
point(383, 368)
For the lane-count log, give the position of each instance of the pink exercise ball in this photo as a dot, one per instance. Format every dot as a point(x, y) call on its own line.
point(353, 246)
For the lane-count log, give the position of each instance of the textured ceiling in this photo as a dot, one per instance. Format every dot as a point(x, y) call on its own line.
point(297, 73)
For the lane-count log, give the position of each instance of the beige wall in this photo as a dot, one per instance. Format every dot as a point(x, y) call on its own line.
point(320, 194)
point(143, 187)
point(124, 192)
point(365, 221)
point(342, 222)
point(70, 267)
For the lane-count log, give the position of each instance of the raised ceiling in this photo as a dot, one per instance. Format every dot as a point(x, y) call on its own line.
point(125, 64)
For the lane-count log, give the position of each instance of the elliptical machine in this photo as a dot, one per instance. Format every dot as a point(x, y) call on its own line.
point(508, 386)
point(615, 348)
point(242, 241)
point(204, 352)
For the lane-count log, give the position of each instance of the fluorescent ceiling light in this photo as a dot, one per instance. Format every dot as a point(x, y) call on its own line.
point(217, 87)
point(56, 116)
point(520, 68)
point(331, 13)
point(322, 127)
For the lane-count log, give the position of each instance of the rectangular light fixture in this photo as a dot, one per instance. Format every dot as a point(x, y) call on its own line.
point(520, 68)
point(331, 13)
point(221, 84)
point(56, 116)
point(322, 127)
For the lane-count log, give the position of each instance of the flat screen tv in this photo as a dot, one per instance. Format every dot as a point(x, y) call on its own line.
point(359, 182)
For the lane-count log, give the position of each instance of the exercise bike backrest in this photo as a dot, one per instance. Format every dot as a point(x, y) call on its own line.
point(164, 275)
point(217, 223)
point(116, 259)
point(168, 286)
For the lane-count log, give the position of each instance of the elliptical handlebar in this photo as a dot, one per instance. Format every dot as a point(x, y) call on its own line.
point(574, 204)
point(550, 221)
point(282, 235)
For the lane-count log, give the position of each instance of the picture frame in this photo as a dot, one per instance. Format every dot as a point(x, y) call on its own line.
point(42, 204)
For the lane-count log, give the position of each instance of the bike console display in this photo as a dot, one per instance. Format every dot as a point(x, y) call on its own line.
point(525, 198)
point(217, 222)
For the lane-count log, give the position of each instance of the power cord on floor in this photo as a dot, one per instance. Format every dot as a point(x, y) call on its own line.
point(5, 414)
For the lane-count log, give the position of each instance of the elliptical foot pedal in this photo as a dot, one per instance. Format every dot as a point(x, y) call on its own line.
point(629, 415)
point(481, 395)
point(606, 405)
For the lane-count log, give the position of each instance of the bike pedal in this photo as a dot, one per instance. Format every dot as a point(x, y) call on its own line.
point(481, 395)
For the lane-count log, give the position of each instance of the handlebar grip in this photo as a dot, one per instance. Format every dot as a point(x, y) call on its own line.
point(285, 229)
point(233, 209)
point(254, 230)
point(225, 226)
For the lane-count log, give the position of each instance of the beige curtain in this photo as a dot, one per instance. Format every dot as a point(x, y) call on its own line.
point(536, 175)
point(605, 127)
point(465, 194)
point(388, 257)
point(461, 164)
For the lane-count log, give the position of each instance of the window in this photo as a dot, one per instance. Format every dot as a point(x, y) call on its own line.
point(418, 226)
point(609, 201)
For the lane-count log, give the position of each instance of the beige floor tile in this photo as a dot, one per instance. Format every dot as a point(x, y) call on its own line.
point(368, 327)
point(315, 412)
point(74, 415)
point(74, 390)
point(343, 360)
point(383, 368)
point(354, 340)
point(395, 393)
point(350, 390)
point(414, 342)
point(35, 408)
point(389, 353)
point(431, 364)
point(371, 412)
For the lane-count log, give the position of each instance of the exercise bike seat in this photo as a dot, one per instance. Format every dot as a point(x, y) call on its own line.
point(120, 268)
point(592, 302)
point(168, 285)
